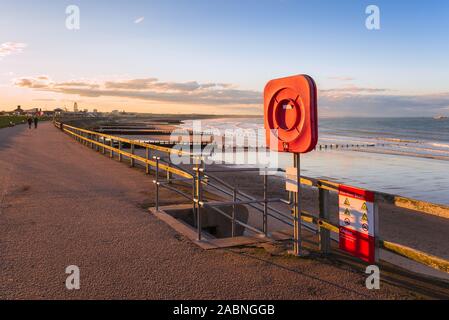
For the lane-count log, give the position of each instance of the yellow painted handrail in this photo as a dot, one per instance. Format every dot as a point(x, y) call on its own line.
point(407, 252)
point(134, 142)
point(150, 162)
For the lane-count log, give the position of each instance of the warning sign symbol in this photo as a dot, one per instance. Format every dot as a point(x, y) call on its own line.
point(364, 207)
point(347, 202)
point(365, 217)
point(365, 227)
point(347, 212)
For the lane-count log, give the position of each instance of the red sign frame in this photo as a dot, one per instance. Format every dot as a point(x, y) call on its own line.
point(359, 242)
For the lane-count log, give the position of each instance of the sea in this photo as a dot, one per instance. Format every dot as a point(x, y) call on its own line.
point(402, 156)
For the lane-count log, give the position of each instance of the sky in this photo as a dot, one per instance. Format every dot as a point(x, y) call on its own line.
point(195, 56)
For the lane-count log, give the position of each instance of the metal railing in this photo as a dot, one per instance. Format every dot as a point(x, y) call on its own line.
point(200, 178)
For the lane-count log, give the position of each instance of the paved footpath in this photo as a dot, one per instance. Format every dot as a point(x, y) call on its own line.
point(63, 204)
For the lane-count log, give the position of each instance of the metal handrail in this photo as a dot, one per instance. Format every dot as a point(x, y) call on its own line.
point(198, 181)
point(239, 192)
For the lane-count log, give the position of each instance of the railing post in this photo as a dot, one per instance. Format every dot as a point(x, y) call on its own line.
point(132, 152)
point(112, 145)
point(103, 145)
point(324, 234)
point(169, 175)
point(194, 199)
point(157, 183)
point(199, 198)
point(147, 156)
point(234, 210)
point(265, 203)
point(120, 157)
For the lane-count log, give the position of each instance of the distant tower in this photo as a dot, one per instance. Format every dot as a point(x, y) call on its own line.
point(75, 107)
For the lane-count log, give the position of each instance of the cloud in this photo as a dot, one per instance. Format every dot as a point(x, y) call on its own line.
point(44, 99)
point(343, 101)
point(384, 105)
point(139, 20)
point(9, 48)
point(151, 89)
point(77, 84)
point(41, 82)
point(342, 78)
point(352, 90)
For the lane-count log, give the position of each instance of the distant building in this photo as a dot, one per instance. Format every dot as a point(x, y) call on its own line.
point(47, 113)
point(18, 111)
point(32, 111)
point(75, 107)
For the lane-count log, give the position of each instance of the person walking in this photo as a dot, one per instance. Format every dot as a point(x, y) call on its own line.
point(30, 122)
point(36, 120)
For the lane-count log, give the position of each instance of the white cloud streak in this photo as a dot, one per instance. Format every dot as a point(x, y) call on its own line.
point(9, 48)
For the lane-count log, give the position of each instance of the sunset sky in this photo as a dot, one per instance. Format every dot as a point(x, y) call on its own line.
point(195, 56)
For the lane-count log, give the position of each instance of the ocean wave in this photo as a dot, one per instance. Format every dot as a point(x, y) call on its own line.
point(398, 140)
point(439, 145)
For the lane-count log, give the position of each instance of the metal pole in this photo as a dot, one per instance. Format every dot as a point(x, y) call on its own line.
point(297, 208)
point(168, 175)
point(194, 198)
point(324, 234)
point(112, 145)
point(157, 183)
point(198, 192)
point(132, 152)
point(120, 149)
point(234, 210)
point(376, 232)
point(147, 156)
point(265, 204)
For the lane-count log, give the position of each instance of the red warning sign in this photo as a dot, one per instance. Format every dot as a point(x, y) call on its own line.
point(357, 222)
point(291, 118)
